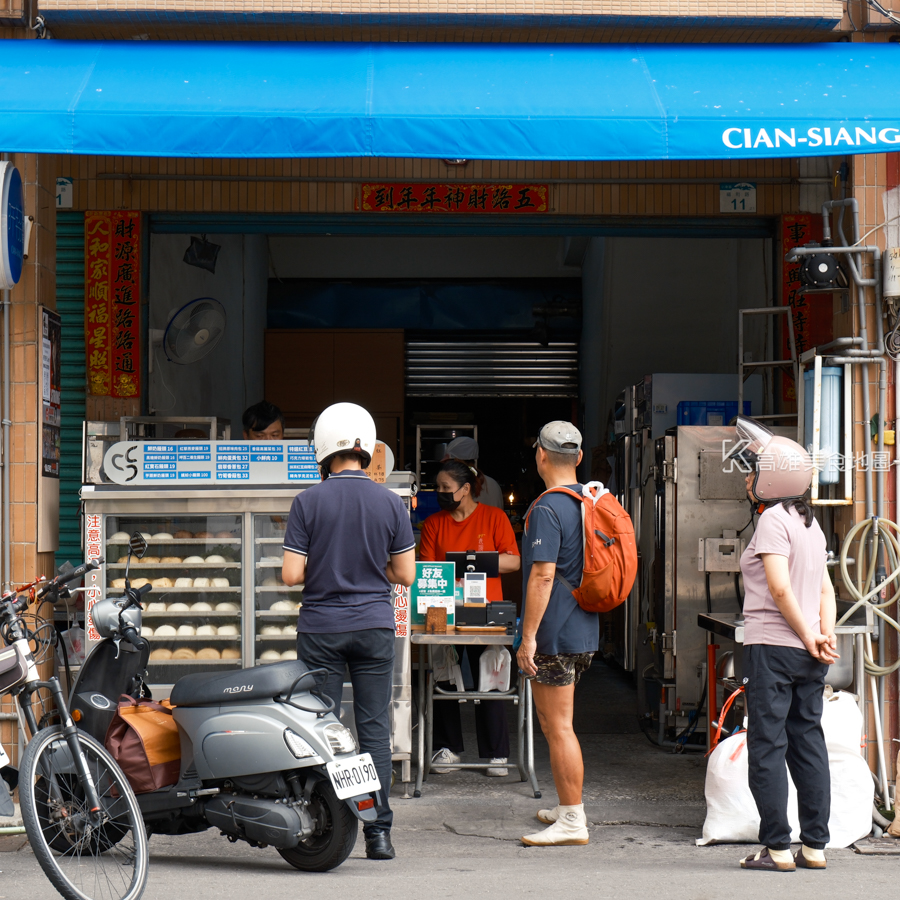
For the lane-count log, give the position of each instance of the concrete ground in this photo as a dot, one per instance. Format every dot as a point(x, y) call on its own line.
point(460, 839)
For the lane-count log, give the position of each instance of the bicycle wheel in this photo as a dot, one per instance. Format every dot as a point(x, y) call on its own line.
point(84, 859)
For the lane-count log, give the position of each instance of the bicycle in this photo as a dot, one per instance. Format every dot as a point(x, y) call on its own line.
point(79, 811)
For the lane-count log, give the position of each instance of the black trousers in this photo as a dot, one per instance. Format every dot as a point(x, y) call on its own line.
point(369, 655)
point(491, 726)
point(785, 687)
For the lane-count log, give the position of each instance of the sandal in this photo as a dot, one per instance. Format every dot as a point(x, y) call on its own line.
point(762, 862)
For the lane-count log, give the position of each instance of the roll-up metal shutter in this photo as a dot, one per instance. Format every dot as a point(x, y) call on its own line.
point(491, 368)
point(70, 306)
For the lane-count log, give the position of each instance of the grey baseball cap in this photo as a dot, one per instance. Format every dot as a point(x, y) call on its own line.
point(559, 437)
point(463, 448)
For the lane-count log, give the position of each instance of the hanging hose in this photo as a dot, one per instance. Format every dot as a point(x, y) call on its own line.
point(875, 536)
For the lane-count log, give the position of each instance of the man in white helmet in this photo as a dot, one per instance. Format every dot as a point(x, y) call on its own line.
point(348, 540)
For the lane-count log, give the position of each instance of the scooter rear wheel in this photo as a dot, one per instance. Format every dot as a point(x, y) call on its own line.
point(334, 838)
point(83, 859)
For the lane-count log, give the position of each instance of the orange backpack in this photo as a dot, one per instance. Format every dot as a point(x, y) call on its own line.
point(610, 552)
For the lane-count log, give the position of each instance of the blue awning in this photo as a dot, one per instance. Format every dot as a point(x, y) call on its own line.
point(473, 101)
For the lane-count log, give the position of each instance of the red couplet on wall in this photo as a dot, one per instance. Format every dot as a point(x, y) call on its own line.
point(112, 281)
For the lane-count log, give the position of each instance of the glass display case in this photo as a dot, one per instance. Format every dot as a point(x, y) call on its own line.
point(214, 515)
point(194, 564)
point(275, 605)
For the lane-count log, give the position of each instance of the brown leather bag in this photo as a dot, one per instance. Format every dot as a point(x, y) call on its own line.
point(143, 739)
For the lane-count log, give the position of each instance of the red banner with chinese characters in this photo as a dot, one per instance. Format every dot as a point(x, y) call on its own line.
point(520, 199)
point(93, 549)
point(812, 313)
point(112, 283)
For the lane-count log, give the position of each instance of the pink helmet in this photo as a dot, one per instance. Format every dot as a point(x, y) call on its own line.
point(784, 470)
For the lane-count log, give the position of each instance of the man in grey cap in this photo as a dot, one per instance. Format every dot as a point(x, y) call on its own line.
point(557, 638)
point(466, 449)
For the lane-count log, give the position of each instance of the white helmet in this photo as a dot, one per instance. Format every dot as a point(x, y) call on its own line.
point(784, 470)
point(343, 428)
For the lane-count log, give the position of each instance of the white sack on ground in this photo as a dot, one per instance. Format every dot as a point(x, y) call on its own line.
point(731, 815)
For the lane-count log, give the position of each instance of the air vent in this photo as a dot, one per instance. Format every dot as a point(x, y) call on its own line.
point(491, 369)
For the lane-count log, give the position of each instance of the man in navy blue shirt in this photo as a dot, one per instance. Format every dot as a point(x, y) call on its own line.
point(348, 540)
point(557, 638)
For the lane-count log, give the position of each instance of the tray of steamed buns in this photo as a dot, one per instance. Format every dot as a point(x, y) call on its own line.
point(185, 632)
point(276, 632)
point(201, 629)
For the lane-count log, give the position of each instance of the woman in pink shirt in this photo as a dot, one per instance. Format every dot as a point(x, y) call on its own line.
point(789, 612)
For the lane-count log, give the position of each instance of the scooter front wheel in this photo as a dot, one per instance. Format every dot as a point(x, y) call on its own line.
point(85, 855)
point(335, 835)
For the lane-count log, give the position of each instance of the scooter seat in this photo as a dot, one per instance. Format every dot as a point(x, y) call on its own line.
point(258, 683)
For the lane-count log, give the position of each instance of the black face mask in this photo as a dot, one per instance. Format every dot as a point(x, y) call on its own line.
point(445, 500)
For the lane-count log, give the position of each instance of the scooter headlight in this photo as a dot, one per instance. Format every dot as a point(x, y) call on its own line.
point(340, 739)
point(297, 745)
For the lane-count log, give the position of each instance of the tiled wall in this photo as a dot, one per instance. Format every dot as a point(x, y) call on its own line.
point(37, 287)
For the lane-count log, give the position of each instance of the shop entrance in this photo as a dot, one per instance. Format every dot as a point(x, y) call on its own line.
point(444, 332)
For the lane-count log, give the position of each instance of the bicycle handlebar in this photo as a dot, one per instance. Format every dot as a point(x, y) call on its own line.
point(65, 578)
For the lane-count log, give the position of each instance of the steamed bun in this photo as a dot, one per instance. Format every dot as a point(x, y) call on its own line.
point(165, 631)
point(192, 560)
point(179, 607)
point(201, 607)
point(184, 653)
point(208, 653)
point(203, 630)
point(162, 536)
point(184, 582)
point(228, 631)
point(186, 631)
point(161, 653)
point(289, 654)
point(215, 558)
point(231, 653)
point(220, 583)
point(270, 656)
point(227, 606)
point(120, 536)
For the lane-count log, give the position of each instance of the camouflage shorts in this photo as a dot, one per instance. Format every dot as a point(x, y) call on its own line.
point(561, 669)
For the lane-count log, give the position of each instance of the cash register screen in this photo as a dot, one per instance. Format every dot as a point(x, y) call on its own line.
point(487, 561)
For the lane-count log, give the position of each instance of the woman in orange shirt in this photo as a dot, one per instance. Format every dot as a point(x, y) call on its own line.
point(465, 524)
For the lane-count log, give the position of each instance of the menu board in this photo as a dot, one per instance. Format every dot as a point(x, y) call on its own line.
point(210, 462)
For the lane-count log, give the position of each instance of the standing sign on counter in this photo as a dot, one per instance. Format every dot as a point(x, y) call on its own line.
point(210, 462)
point(434, 586)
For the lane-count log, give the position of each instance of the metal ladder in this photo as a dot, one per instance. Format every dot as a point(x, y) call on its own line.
point(746, 369)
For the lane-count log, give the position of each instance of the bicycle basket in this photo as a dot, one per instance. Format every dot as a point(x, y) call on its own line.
point(13, 668)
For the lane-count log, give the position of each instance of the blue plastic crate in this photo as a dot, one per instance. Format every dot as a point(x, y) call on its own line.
point(698, 412)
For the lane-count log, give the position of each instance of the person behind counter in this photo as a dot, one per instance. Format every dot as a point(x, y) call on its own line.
point(263, 422)
point(466, 449)
point(349, 540)
point(462, 524)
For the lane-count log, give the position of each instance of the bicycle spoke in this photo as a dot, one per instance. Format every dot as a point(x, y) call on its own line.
point(100, 856)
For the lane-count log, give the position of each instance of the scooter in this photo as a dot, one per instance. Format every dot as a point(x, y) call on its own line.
point(263, 757)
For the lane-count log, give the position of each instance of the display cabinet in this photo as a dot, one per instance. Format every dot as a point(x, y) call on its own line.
point(214, 560)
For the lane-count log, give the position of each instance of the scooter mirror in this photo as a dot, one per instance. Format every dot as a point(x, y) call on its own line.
point(137, 544)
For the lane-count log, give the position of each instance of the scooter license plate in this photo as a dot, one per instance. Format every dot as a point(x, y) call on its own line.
point(354, 776)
